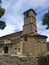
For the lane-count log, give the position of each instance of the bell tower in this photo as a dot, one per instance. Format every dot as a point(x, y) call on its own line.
point(29, 22)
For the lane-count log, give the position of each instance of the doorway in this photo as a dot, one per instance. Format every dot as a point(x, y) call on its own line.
point(5, 49)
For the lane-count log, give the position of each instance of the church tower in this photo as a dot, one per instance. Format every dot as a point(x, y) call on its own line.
point(29, 22)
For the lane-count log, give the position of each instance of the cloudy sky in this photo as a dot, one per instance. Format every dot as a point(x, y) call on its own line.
point(14, 17)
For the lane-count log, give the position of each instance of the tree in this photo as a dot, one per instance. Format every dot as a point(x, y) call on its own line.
point(0, 1)
point(2, 11)
point(45, 20)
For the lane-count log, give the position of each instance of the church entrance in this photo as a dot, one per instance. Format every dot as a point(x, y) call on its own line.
point(5, 49)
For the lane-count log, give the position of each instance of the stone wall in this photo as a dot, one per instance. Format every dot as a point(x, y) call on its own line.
point(34, 46)
point(13, 60)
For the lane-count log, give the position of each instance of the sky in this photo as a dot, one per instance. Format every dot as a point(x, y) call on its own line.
point(14, 17)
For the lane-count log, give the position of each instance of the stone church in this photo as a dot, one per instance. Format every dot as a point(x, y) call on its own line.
point(26, 42)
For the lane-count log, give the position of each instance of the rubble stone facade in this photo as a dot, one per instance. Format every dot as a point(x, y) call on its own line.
point(26, 42)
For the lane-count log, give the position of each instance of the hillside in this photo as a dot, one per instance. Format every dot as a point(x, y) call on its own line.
point(48, 45)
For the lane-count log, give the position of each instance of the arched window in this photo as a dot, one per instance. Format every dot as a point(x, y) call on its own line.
point(27, 15)
point(5, 49)
point(25, 38)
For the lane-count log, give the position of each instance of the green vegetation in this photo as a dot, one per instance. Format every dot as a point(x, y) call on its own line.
point(0, 1)
point(45, 20)
point(2, 24)
point(2, 11)
point(42, 60)
point(48, 45)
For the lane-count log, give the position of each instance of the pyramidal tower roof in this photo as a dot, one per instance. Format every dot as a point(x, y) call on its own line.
point(30, 10)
